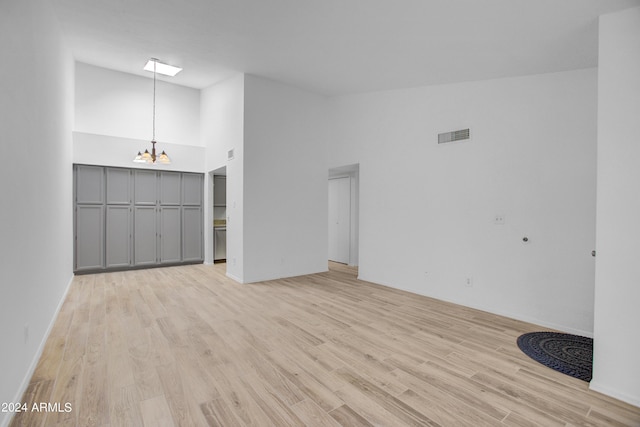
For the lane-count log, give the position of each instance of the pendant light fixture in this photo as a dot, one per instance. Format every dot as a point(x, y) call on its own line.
point(147, 157)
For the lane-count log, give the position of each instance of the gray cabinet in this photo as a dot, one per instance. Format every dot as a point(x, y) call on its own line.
point(118, 238)
point(192, 190)
point(89, 237)
point(145, 187)
point(145, 236)
point(118, 186)
point(219, 190)
point(220, 244)
point(170, 193)
point(170, 233)
point(131, 218)
point(192, 235)
point(89, 184)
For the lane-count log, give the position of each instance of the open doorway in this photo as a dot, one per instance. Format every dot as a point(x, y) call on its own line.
point(343, 214)
point(218, 234)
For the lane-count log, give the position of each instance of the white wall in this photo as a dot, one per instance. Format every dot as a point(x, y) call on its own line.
point(427, 210)
point(105, 150)
point(113, 120)
point(285, 181)
point(222, 118)
point(616, 346)
point(36, 116)
point(119, 104)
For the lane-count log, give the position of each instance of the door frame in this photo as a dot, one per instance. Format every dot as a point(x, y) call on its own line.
point(353, 172)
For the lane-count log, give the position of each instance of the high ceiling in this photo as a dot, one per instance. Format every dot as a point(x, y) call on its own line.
point(338, 46)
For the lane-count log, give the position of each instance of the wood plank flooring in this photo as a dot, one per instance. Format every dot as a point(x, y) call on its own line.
point(186, 346)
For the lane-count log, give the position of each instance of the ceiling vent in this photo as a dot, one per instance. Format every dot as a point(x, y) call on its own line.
point(456, 135)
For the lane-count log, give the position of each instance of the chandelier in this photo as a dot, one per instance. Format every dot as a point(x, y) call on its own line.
point(151, 157)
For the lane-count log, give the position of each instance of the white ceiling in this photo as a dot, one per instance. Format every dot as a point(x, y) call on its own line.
point(338, 46)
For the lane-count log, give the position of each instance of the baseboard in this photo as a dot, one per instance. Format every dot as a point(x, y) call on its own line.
point(527, 319)
point(32, 367)
point(594, 385)
point(279, 276)
point(532, 320)
point(234, 278)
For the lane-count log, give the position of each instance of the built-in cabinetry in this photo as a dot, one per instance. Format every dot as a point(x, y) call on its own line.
point(133, 218)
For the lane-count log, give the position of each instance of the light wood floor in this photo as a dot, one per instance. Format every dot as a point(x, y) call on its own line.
point(186, 346)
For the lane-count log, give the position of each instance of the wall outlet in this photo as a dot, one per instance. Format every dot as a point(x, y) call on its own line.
point(498, 219)
point(468, 281)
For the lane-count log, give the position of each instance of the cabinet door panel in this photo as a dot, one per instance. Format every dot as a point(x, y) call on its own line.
point(192, 189)
point(170, 234)
point(89, 237)
point(89, 182)
point(145, 235)
point(192, 233)
point(118, 236)
point(170, 188)
point(118, 186)
point(145, 187)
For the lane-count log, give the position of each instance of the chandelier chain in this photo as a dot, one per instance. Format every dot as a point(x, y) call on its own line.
point(151, 157)
point(154, 101)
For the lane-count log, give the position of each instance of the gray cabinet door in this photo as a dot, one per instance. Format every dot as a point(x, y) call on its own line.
point(170, 188)
point(192, 248)
point(89, 182)
point(219, 190)
point(118, 186)
point(170, 234)
point(89, 241)
point(144, 235)
point(219, 244)
point(118, 236)
point(192, 190)
point(145, 190)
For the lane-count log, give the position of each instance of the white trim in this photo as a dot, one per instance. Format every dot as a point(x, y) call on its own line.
point(545, 324)
point(36, 358)
point(612, 392)
point(279, 276)
point(234, 278)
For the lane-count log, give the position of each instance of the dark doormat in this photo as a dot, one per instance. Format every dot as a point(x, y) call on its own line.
point(566, 353)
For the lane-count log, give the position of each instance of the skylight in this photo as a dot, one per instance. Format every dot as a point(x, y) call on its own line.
point(164, 69)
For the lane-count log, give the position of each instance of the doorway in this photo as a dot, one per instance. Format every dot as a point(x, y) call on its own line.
point(343, 215)
point(218, 183)
point(339, 219)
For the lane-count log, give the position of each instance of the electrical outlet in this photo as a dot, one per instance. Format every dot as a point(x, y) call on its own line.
point(468, 281)
point(498, 219)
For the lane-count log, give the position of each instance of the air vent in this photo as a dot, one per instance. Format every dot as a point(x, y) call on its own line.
point(456, 135)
